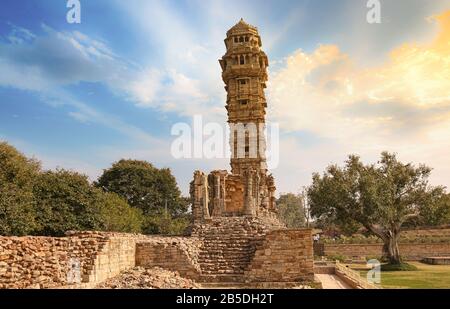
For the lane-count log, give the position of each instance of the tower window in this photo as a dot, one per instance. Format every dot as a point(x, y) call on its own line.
point(246, 39)
point(241, 60)
point(242, 81)
point(241, 39)
point(235, 39)
point(243, 102)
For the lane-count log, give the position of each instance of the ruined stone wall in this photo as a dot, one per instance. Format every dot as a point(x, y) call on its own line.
point(174, 253)
point(222, 249)
point(284, 256)
point(115, 254)
point(33, 262)
point(412, 252)
point(46, 262)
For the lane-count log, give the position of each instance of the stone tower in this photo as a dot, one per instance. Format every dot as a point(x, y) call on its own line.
point(248, 190)
point(244, 72)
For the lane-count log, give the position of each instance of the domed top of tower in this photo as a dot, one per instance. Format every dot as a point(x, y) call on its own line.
point(242, 27)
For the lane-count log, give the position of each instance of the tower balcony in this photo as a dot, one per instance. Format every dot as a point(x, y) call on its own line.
point(238, 70)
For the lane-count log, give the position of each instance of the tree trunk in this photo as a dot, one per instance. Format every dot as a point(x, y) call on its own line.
point(390, 249)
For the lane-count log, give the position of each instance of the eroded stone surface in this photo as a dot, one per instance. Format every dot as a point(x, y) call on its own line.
point(148, 278)
point(249, 190)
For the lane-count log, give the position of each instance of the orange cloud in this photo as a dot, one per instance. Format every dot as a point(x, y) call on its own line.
point(401, 105)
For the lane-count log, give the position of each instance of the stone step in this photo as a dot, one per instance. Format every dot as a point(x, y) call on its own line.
point(238, 278)
point(224, 266)
point(225, 263)
point(223, 285)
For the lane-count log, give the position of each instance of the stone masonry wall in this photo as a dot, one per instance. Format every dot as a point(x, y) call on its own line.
point(116, 254)
point(33, 262)
point(285, 256)
point(412, 252)
point(84, 259)
point(48, 262)
point(174, 253)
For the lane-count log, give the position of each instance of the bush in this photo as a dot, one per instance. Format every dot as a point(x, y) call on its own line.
point(166, 225)
point(337, 257)
point(53, 202)
point(17, 173)
point(116, 215)
point(65, 201)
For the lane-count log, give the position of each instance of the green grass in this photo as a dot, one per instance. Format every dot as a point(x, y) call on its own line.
point(398, 267)
point(426, 277)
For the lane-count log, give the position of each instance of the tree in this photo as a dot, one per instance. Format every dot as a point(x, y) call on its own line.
point(291, 210)
point(116, 215)
point(435, 210)
point(65, 200)
point(17, 174)
point(381, 197)
point(154, 191)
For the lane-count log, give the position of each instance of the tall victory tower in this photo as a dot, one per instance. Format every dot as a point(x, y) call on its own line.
point(248, 190)
point(244, 71)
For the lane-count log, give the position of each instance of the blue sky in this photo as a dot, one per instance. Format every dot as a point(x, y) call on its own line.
point(81, 96)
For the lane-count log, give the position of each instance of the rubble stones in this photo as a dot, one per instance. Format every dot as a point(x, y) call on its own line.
point(150, 278)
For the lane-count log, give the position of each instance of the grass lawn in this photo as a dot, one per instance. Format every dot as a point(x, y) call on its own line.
point(426, 277)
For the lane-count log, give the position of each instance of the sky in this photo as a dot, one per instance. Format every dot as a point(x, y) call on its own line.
point(82, 96)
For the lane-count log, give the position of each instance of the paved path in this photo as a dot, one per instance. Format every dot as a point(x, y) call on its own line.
point(332, 282)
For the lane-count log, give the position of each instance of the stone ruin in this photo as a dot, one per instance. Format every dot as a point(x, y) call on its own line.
point(248, 190)
point(236, 238)
point(234, 213)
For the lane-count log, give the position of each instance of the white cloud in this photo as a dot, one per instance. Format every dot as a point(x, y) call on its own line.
point(58, 59)
point(401, 106)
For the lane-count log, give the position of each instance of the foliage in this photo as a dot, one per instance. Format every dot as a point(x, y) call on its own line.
point(291, 210)
point(154, 191)
point(381, 197)
point(17, 214)
point(65, 200)
point(337, 257)
point(163, 224)
point(144, 186)
point(116, 215)
point(435, 209)
point(52, 202)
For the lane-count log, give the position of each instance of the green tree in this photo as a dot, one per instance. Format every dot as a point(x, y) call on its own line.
point(435, 210)
point(65, 200)
point(163, 224)
point(116, 215)
point(381, 197)
point(154, 191)
point(291, 210)
point(17, 174)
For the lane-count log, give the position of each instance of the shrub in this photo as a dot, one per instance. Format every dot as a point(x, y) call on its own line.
point(337, 257)
point(17, 174)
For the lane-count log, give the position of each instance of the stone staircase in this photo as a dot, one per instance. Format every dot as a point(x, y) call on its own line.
point(229, 245)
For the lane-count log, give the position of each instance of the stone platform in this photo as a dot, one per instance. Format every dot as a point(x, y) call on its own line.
point(437, 260)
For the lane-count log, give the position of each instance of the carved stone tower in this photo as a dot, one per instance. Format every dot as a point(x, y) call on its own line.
point(248, 190)
point(244, 72)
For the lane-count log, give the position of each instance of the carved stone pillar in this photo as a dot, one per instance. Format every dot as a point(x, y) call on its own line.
point(205, 197)
point(249, 206)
